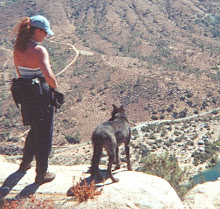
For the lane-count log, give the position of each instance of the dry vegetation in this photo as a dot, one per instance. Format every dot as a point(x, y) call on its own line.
point(83, 191)
point(160, 59)
point(31, 202)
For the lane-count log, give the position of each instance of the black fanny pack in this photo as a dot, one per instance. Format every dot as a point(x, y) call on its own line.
point(26, 91)
point(58, 99)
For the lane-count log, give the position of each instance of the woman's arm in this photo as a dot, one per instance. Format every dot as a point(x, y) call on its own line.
point(44, 64)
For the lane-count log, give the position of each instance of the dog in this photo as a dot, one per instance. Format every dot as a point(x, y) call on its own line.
point(110, 135)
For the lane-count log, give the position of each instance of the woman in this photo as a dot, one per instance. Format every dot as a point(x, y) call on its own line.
point(31, 60)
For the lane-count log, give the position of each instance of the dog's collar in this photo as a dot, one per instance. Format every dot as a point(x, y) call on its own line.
point(117, 115)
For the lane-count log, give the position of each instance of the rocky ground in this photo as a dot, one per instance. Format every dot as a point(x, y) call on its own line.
point(142, 191)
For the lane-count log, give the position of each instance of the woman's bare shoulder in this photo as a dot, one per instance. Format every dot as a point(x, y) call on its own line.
point(41, 50)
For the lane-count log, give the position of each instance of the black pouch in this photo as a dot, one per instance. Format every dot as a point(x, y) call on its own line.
point(26, 91)
point(58, 99)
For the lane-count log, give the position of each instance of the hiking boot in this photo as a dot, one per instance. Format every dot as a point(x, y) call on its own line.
point(24, 167)
point(44, 178)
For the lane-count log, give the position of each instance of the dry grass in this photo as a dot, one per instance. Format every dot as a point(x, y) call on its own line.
point(31, 203)
point(84, 191)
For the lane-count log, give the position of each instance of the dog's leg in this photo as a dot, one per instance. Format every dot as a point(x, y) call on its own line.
point(127, 151)
point(117, 160)
point(111, 150)
point(109, 170)
point(97, 152)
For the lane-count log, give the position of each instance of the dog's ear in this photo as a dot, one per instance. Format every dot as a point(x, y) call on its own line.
point(122, 109)
point(115, 109)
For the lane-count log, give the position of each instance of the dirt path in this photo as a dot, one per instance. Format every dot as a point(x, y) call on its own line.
point(73, 61)
point(141, 124)
point(125, 69)
point(11, 54)
point(194, 58)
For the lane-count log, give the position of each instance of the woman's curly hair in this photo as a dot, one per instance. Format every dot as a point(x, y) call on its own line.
point(24, 33)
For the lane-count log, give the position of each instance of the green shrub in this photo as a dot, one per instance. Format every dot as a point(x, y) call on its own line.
point(152, 136)
point(209, 154)
point(189, 94)
point(177, 133)
point(215, 112)
point(134, 132)
point(167, 167)
point(163, 133)
point(74, 139)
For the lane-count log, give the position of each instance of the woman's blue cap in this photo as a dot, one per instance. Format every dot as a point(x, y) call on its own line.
point(40, 21)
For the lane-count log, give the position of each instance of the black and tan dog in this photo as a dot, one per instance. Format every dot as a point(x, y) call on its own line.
point(110, 135)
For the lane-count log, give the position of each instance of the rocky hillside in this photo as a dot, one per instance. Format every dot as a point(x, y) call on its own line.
point(160, 59)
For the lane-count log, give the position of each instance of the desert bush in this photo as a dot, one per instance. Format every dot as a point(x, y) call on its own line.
point(10, 150)
point(169, 128)
point(217, 143)
point(13, 139)
point(152, 127)
point(199, 158)
point(204, 104)
point(176, 133)
point(175, 115)
point(189, 103)
point(189, 94)
point(190, 142)
point(163, 133)
point(168, 144)
point(182, 113)
point(167, 123)
point(167, 167)
point(169, 109)
point(158, 128)
point(145, 129)
point(92, 87)
point(215, 33)
point(209, 154)
point(84, 191)
point(144, 150)
point(194, 136)
point(186, 125)
point(182, 98)
point(152, 136)
point(74, 139)
point(215, 112)
point(134, 132)
point(213, 161)
point(154, 117)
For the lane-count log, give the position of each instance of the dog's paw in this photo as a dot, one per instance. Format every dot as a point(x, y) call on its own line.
point(117, 167)
point(115, 179)
point(129, 168)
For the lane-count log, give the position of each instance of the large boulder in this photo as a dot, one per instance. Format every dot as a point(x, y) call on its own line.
point(2, 159)
point(202, 196)
point(135, 190)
